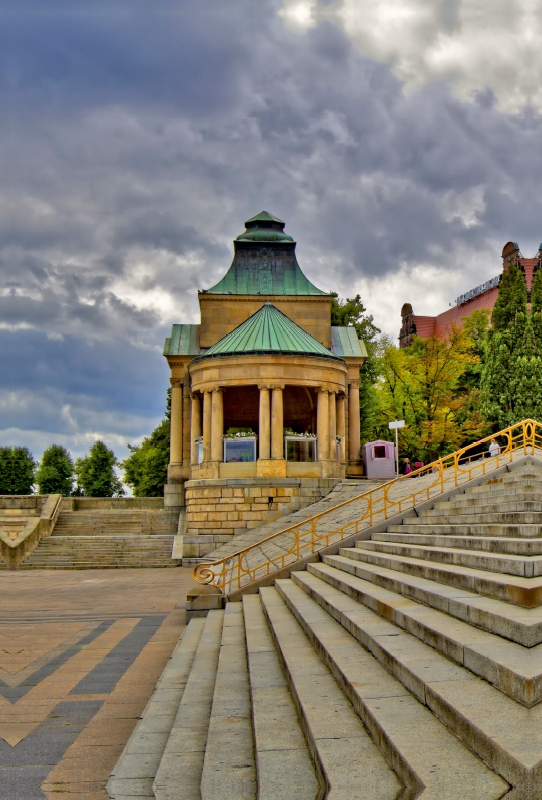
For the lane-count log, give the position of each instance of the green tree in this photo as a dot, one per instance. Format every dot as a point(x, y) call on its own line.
point(145, 470)
point(96, 475)
point(17, 470)
point(352, 312)
point(512, 358)
point(56, 471)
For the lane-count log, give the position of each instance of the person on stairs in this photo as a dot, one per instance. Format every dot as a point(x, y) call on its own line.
point(494, 449)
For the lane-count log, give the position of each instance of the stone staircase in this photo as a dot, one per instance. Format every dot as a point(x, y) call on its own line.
point(99, 539)
point(407, 666)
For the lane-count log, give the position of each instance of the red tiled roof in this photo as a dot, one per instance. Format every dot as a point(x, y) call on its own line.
point(454, 316)
point(528, 265)
point(424, 326)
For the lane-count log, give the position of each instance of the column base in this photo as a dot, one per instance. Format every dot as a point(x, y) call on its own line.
point(177, 472)
point(354, 469)
point(270, 468)
point(174, 495)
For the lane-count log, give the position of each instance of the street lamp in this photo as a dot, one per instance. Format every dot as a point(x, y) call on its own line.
point(394, 426)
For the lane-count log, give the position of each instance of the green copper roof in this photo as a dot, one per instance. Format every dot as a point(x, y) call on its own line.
point(268, 332)
point(264, 262)
point(184, 341)
point(345, 342)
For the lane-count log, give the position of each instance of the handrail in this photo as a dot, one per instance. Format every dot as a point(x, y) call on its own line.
point(239, 569)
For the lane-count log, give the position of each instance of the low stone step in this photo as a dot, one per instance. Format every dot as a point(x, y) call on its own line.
point(526, 592)
point(179, 772)
point(518, 624)
point(425, 526)
point(512, 668)
point(517, 501)
point(430, 760)
point(345, 753)
point(284, 766)
point(496, 517)
point(496, 544)
point(229, 769)
point(145, 747)
point(472, 708)
point(492, 562)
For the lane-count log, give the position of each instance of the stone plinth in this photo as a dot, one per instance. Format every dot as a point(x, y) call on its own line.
point(217, 510)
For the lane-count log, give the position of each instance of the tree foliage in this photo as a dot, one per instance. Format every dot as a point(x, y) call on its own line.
point(513, 363)
point(425, 384)
point(56, 471)
point(145, 470)
point(352, 312)
point(95, 473)
point(17, 470)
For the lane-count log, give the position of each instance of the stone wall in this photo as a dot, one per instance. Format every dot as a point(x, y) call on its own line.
point(220, 509)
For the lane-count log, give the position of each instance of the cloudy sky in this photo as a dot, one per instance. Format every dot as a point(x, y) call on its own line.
point(400, 141)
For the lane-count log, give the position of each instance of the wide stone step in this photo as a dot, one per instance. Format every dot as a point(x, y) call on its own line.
point(178, 774)
point(493, 562)
point(518, 624)
point(496, 544)
point(521, 591)
point(517, 501)
point(130, 779)
point(426, 526)
point(473, 709)
point(429, 759)
point(495, 517)
point(284, 765)
point(344, 751)
point(512, 668)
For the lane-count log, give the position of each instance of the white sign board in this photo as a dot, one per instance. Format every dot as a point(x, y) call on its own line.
point(399, 423)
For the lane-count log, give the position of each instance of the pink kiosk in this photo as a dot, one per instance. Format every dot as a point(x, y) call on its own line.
point(379, 459)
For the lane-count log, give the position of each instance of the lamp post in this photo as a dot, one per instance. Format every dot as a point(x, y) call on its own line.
point(394, 426)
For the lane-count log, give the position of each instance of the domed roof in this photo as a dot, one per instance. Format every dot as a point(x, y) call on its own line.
point(264, 227)
point(268, 332)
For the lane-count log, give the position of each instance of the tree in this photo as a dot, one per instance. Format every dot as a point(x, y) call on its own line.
point(145, 470)
point(95, 473)
point(513, 363)
point(56, 471)
point(17, 469)
point(424, 385)
point(352, 312)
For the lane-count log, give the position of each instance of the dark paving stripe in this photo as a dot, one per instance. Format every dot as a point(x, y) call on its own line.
point(23, 768)
point(15, 693)
point(105, 675)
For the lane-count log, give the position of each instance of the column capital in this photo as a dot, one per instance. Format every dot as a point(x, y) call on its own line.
point(356, 382)
point(276, 386)
point(322, 390)
point(176, 383)
point(264, 386)
point(217, 389)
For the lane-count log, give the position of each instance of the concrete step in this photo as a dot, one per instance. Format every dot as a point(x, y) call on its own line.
point(345, 753)
point(100, 552)
point(476, 517)
point(426, 526)
point(515, 623)
point(508, 588)
point(493, 562)
point(178, 774)
point(496, 544)
point(284, 765)
point(468, 705)
point(519, 501)
point(134, 773)
point(512, 668)
point(428, 758)
point(229, 769)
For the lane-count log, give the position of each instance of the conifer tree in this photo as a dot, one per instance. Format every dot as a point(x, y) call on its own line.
point(506, 375)
point(55, 472)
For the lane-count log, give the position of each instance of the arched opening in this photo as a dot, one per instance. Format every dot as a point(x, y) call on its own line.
point(300, 409)
point(241, 407)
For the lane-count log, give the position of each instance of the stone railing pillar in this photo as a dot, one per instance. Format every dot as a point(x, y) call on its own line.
point(195, 426)
point(277, 422)
point(265, 423)
point(176, 435)
point(217, 425)
point(354, 429)
point(322, 425)
point(332, 426)
point(341, 425)
point(207, 399)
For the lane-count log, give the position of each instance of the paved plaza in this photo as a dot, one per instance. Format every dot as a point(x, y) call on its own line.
point(80, 654)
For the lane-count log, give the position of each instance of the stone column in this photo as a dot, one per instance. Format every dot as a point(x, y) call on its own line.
point(332, 426)
point(217, 426)
point(207, 398)
point(354, 445)
point(341, 425)
point(277, 423)
point(322, 425)
point(195, 426)
point(265, 423)
point(176, 438)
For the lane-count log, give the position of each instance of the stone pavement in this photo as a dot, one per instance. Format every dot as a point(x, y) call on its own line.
point(80, 654)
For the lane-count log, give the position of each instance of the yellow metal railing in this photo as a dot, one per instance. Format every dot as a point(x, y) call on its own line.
point(301, 540)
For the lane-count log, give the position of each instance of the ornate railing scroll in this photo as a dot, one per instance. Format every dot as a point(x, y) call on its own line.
point(301, 540)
